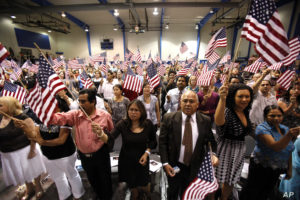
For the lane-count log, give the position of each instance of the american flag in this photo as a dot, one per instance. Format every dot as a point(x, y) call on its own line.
point(213, 57)
point(196, 72)
point(116, 57)
point(58, 62)
point(85, 80)
point(205, 78)
point(15, 91)
point(31, 67)
point(218, 40)
point(254, 67)
point(124, 65)
point(213, 65)
point(6, 64)
point(41, 98)
point(294, 45)
point(104, 66)
point(263, 27)
point(128, 54)
point(276, 66)
point(157, 58)
point(132, 82)
point(74, 64)
point(2, 73)
point(138, 57)
point(98, 57)
point(139, 69)
point(184, 71)
point(26, 64)
point(161, 69)
point(286, 79)
point(205, 182)
point(3, 53)
point(183, 47)
point(152, 76)
point(226, 58)
point(150, 60)
point(17, 71)
point(204, 69)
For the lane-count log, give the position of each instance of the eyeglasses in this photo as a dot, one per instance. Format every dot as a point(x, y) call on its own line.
point(273, 116)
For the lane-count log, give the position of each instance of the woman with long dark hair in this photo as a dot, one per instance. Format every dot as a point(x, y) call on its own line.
point(138, 138)
point(290, 104)
point(233, 124)
point(151, 105)
point(272, 155)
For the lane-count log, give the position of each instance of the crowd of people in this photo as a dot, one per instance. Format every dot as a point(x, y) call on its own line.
point(185, 120)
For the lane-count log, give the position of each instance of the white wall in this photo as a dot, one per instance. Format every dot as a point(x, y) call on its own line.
point(75, 43)
point(8, 37)
point(98, 33)
point(172, 38)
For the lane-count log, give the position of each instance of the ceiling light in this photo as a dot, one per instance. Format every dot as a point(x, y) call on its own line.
point(13, 17)
point(167, 26)
point(49, 31)
point(197, 26)
point(116, 13)
point(155, 12)
point(115, 28)
point(63, 14)
point(86, 29)
point(211, 11)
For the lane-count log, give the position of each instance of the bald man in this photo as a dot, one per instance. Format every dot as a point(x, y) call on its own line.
point(178, 149)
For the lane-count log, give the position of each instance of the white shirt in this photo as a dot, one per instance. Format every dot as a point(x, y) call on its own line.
point(258, 106)
point(173, 105)
point(194, 132)
point(99, 104)
point(107, 89)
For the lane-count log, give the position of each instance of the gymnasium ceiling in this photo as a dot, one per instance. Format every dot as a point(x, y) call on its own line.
point(47, 14)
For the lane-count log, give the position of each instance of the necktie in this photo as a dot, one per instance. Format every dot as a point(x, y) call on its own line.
point(179, 99)
point(187, 141)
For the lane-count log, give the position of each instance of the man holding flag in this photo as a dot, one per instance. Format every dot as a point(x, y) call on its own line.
point(183, 144)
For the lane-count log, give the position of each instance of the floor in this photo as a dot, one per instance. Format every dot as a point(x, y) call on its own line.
point(9, 193)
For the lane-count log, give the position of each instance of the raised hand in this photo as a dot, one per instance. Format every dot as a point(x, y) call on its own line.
point(223, 92)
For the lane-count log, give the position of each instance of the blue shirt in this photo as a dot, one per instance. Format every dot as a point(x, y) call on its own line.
point(265, 155)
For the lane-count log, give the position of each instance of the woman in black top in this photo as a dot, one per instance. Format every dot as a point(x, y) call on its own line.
point(60, 156)
point(21, 160)
point(138, 137)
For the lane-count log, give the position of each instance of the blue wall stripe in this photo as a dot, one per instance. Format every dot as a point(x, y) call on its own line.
point(89, 42)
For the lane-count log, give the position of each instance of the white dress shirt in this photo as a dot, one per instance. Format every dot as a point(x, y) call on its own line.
point(195, 134)
point(258, 106)
point(107, 89)
point(173, 105)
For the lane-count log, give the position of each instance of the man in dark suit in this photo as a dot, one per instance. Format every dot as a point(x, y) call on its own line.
point(183, 142)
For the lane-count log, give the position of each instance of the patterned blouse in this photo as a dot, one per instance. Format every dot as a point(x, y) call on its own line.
point(118, 109)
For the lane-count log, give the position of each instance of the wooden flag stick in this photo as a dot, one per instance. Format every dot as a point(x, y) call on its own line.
point(61, 80)
point(8, 116)
point(238, 47)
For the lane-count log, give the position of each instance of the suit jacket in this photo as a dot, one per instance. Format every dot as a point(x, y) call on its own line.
point(170, 140)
